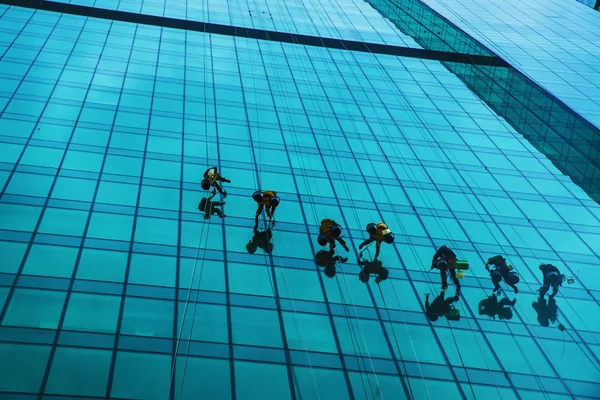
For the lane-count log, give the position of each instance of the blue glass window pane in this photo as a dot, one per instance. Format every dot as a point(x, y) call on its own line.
point(250, 279)
point(146, 317)
point(18, 217)
point(467, 348)
point(158, 231)
point(11, 254)
point(79, 372)
point(211, 278)
point(414, 343)
point(353, 334)
point(520, 354)
point(42, 156)
point(54, 261)
point(3, 296)
point(473, 392)
point(92, 313)
point(152, 270)
point(309, 332)
point(34, 308)
point(298, 284)
point(252, 378)
point(110, 226)
point(92, 137)
point(192, 235)
point(141, 376)
point(204, 378)
point(22, 367)
point(568, 242)
point(368, 386)
point(30, 184)
point(122, 194)
point(122, 165)
point(74, 189)
point(435, 388)
point(348, 289)
point(83, 161)
point(160, 169)
point(160, 198)
point(102, 265)
point(209, 321)
point(63, 222)
point(321, 383)
point(255, 327)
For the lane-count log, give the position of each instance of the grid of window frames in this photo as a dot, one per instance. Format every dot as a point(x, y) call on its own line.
point(112, 284)
point(343, 19)
point(554, 42)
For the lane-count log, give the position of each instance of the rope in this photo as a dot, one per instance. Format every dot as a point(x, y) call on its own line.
point(317, 220)
point(298, 329)
point(205, 50)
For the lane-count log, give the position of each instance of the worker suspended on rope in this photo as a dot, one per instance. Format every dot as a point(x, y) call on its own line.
point(547, 312)
point(267, 200)
point(491, 307)
point(372, 267)
point(378, 233)
point(499, 270)
point(329, 232)
point(211, 179)
point(552, 277)
point(209, 207)
point(260, 240)
point(444, 259)
point(441, 307)
point(327, 260)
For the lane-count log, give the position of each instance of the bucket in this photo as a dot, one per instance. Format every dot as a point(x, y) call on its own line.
point(461, 264)
point(460, 275)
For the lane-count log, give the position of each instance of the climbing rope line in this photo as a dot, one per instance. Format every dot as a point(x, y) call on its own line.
point(477, 342)
point(186, 304)
point(442, 226)
point(299, 329)
point(524, 242)
point(383, 125)
point(187, 352)
point(371, 218)
point(389, 201)
point(194, 269)
point(351, 332)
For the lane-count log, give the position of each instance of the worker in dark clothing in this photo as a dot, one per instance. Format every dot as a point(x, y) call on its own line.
point(267, 200)
point(441, 307)
point(444, 259)
point(547, 312)
point(499, 270)
point(260, 240)
point(327, 260)
point(552, 277)
point(329, 232)
point(372, 267)
point(212, 178)
point(492, 307)
point(378, 233)
point(209, 207)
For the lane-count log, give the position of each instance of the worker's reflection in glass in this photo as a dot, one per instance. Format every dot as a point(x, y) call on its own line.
point(327, 260)
point(491, 307)
point(442, 307)
point(260, 240)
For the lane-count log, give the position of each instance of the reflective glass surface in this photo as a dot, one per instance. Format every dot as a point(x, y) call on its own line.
point(556, 43)
point(122, 278)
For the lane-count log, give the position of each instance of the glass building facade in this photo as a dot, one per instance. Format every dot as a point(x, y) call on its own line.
point(113, 285)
